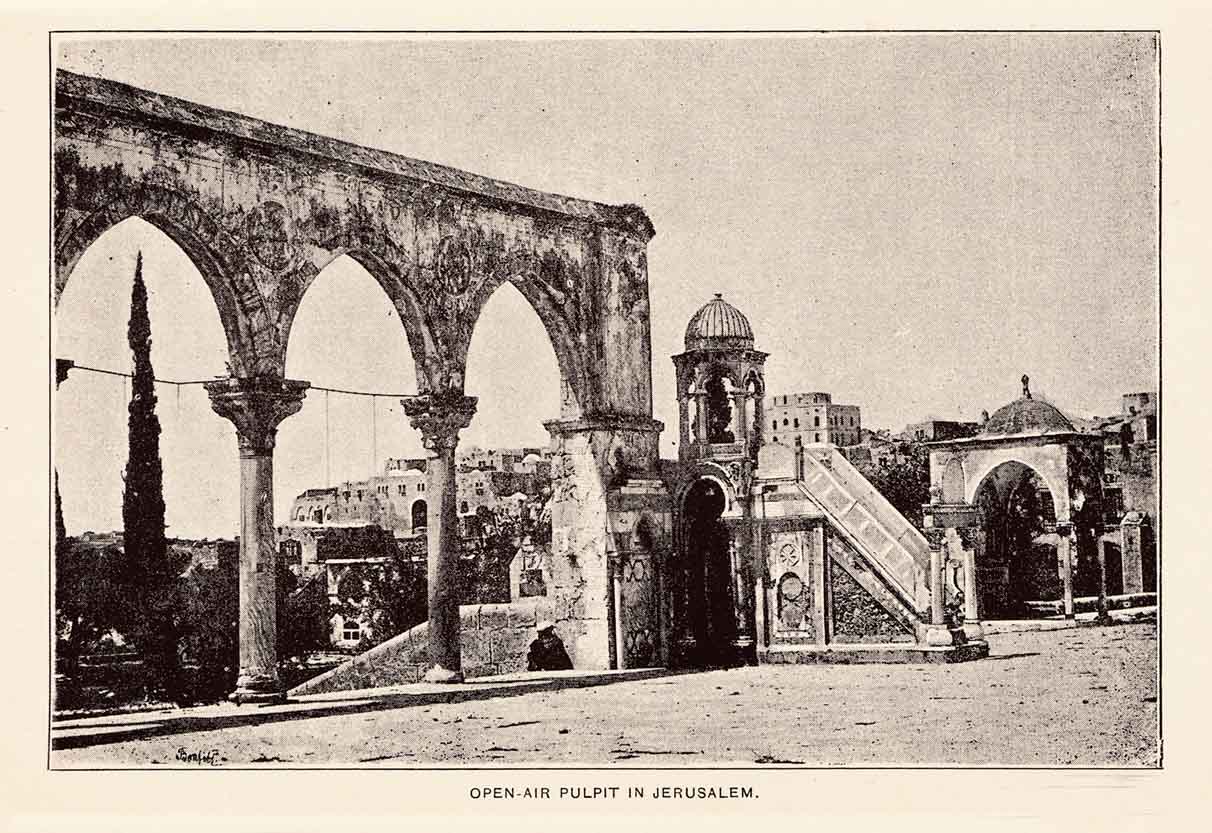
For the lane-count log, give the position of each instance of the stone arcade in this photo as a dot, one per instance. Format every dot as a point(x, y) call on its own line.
point(736, 552)
point(261, 209)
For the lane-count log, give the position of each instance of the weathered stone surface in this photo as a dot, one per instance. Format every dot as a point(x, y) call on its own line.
point(261, 209)
point(494, 640)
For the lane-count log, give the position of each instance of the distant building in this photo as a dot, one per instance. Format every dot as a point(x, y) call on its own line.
point(492, 479)
point(337, 531)
point(931, 430)
point(1130, 458)
point(812, 418)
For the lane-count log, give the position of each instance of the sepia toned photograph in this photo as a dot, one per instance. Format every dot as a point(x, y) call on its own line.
point(670, 400)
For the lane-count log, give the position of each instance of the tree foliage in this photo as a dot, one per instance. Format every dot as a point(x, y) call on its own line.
point(153, 583)
point(904, 481)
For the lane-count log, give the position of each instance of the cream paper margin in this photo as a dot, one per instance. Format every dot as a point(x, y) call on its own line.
point(32, 798)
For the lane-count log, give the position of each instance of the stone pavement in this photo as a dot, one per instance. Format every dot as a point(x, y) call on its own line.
point(1081, 695)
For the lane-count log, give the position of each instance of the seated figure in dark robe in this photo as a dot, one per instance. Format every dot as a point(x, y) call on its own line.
point(547, 651)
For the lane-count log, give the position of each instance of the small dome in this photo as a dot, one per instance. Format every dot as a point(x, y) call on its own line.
point(718, 325)
point(1027, 416)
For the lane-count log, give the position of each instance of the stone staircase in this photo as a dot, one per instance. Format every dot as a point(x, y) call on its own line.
point(872, 525)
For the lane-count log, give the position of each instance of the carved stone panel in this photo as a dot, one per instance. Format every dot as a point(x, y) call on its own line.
point(789, 556)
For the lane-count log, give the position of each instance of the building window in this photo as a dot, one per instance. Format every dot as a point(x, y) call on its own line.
point(784, 422)
point(420, 487)
point(816, 423)
point(479, 490)
point(818, 438)
point(797, 422)
point(774, 424)
point(351, 630)
point(463, 507)
point(400, 489)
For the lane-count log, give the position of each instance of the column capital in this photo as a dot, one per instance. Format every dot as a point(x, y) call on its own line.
point(255, 405)
point(439, 417)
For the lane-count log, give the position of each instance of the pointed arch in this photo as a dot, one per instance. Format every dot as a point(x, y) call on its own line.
point(90, 410)
point(508, 322)
point(83, 214)
point(388, 272)
point(574, 393)
point(346, 334)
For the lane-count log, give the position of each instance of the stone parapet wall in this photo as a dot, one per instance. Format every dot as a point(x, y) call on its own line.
point(495, 638)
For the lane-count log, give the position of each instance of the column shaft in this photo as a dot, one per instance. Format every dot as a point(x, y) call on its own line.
point(937, 634)
point(445, 650)
point(819, 556)
point(258, 578)
point(256, 405)
point(761, 636)
point(1066, 558)
point(439, 417)
point(1103, 615)
point(616, 598)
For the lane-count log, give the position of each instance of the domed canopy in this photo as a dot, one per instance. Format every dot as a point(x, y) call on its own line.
point(718, 325)
point(1027, 416)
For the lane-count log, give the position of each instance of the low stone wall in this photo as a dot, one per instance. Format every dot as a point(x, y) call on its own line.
point(1088, 604)
point(495, 638)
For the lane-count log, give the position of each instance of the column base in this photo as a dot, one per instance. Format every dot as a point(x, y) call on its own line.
point(242, 696)
point(938, 636)
point(258, 688)
point(973, 630)
point(438, 674)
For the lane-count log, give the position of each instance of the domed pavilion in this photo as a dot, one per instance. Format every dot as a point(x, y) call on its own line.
point(1023, 500)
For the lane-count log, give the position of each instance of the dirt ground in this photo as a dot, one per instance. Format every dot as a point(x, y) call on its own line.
point(1086, 696)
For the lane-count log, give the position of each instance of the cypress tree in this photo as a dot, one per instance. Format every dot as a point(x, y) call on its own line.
point(145, 544)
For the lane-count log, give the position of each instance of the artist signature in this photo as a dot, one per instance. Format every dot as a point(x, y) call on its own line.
point(205, 757)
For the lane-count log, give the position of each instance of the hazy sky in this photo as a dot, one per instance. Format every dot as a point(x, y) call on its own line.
point(911, 222)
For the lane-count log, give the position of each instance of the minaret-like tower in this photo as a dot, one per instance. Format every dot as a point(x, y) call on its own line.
point(721, 388)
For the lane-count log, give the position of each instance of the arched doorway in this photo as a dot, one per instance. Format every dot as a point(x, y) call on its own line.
point(1021, 559)
point(709, 599)
point(419, 513)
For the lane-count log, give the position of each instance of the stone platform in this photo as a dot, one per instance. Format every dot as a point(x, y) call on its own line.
point(894, 653)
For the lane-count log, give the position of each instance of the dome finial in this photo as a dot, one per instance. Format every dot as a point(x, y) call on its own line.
point(719, 294)
point(1026, 386)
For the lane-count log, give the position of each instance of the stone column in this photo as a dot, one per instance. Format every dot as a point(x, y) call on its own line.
point(684, 428)
point(255, 405)
point(972, 612)
point(615, 568)
point(1103, 615)
point(937, 634)
point(1131, 548)
point(740, 418)
point(439, 417)
point(820, 555)
point(700, 417)
point(1065, 547)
